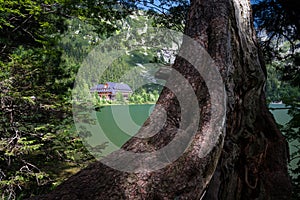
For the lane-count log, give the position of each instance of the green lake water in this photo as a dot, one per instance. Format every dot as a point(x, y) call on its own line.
point(118, 123)
point(115, 125)
point(280, 113)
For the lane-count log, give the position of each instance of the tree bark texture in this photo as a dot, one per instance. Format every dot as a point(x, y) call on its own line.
point(253, 162)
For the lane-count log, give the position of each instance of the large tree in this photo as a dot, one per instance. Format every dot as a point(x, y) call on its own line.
point(249, 159)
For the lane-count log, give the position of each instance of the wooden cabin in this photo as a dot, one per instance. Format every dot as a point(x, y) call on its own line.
point(109, 90)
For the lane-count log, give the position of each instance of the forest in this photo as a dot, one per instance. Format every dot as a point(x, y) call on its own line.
point(43, 45)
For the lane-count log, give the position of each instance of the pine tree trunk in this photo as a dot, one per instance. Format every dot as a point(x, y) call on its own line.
point(253, 162)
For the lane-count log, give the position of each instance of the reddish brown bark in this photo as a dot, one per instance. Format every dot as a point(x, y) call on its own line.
point(253, 164)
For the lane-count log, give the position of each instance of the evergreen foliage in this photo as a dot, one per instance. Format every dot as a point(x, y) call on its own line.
point(38, 64)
